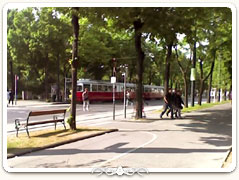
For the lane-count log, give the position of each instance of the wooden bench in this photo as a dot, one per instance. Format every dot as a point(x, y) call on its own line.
point(56, 118)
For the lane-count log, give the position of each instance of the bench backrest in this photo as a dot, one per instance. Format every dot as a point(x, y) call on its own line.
point(39, 113)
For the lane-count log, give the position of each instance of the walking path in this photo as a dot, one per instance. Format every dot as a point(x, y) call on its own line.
point(202, 139)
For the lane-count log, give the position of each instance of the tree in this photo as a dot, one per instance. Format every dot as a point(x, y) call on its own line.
point(74, 65)
point(184, 72)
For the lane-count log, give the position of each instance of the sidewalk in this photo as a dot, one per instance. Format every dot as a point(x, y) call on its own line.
point(202, 139)
point(32, 103)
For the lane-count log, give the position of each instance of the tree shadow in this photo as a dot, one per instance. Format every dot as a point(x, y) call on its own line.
point(117, 149)
point(216, 122)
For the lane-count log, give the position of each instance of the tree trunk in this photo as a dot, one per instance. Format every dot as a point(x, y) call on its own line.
point(184, 73)
point(58, 78)
point(139, 76)
point(225, 95)
point(201, 92)
point(74, 65)
point(209, 89)
point(185, 90)
point(210, 80)
point(12, 78)
point(167, 68)
point(46, 77)
point(219, 95)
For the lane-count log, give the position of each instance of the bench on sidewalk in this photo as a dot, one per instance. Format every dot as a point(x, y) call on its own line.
point(58, 116)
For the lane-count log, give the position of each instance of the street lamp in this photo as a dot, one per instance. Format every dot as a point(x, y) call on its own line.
point(125, 79)
point(113, 81)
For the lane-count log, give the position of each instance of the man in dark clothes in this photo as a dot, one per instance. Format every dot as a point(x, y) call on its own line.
point(11, 94)
point(168, 99)
point(177, 103)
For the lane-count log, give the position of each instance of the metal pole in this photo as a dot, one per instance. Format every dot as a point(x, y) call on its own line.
point(193, 82)
point(125, 79)
point(125, 95)
point(113, 101)
point(65, 89)
point(15, 89)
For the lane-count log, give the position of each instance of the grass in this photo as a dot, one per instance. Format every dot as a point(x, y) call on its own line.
point(203, 106)
point(46, 137)
point(198, 107)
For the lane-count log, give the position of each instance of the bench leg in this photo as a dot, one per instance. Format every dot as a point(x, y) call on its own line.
point(63, 122)
point(27, 132)
point(17, 131)
point(55, 125)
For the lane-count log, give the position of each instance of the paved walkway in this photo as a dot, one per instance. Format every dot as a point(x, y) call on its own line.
point(201, 139)
point(31, 103)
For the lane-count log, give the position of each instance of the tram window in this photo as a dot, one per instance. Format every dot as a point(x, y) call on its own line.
point(87, 86)
point(94, 87)
point(79, 88)
point(100, 88)
point(110, 88)
point(105, 88)
point(147, 89)
point(155, 90)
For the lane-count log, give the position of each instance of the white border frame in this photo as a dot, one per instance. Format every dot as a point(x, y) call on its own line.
point(85, 4)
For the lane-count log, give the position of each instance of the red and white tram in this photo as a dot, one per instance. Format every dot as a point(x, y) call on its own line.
point(103, 91)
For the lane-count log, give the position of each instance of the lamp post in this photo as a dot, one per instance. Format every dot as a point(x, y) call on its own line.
point(113, 81)
point(16, 79)
point(125, 79)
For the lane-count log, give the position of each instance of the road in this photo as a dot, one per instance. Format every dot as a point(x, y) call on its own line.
point(99, 113)
point(200, 140)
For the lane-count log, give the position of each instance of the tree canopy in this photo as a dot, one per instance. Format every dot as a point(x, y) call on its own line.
point(40, 45)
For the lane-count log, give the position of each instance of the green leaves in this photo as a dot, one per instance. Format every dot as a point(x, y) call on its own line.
point(107, 32)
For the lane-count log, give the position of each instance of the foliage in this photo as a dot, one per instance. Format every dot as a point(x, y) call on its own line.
point(39, 37)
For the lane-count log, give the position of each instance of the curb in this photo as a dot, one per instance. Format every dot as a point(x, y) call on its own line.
point(61, 143)
point(38, 104)
point(226, 159)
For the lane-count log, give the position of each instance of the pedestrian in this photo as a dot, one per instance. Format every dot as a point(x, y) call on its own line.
point(8, 96)
point(128, 98)
point(168, 103)
point(177, 103)
point(85, 99)
point(11, 97)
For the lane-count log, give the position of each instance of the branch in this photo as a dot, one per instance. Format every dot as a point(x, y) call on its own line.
point(212, 67)
point(180, 65)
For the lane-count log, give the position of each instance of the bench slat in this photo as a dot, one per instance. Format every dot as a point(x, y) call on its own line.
point(44, 122)
point(39, 113)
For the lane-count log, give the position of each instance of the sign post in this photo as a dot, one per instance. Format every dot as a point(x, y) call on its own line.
point(113, 81)
point(16, 79)
point(125, 79)
point(192, 79)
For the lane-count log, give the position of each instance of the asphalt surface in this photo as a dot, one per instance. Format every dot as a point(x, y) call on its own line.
point(200, 140)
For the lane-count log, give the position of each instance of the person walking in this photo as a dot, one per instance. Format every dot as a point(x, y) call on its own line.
point(8, 96)
point(178, 104)
point(85, 99)
point(168, 103)
point(11, 97)
point(128, 98)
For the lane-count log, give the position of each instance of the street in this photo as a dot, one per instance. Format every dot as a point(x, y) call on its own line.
point(100, 112)
point(199, 140)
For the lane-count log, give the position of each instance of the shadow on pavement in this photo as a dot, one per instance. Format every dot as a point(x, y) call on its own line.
point(216, 122)
point(116, 149)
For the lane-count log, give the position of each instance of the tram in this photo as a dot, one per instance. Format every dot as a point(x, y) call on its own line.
point(103, 90)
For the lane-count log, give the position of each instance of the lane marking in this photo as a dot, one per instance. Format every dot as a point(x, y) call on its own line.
point(127, 152)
